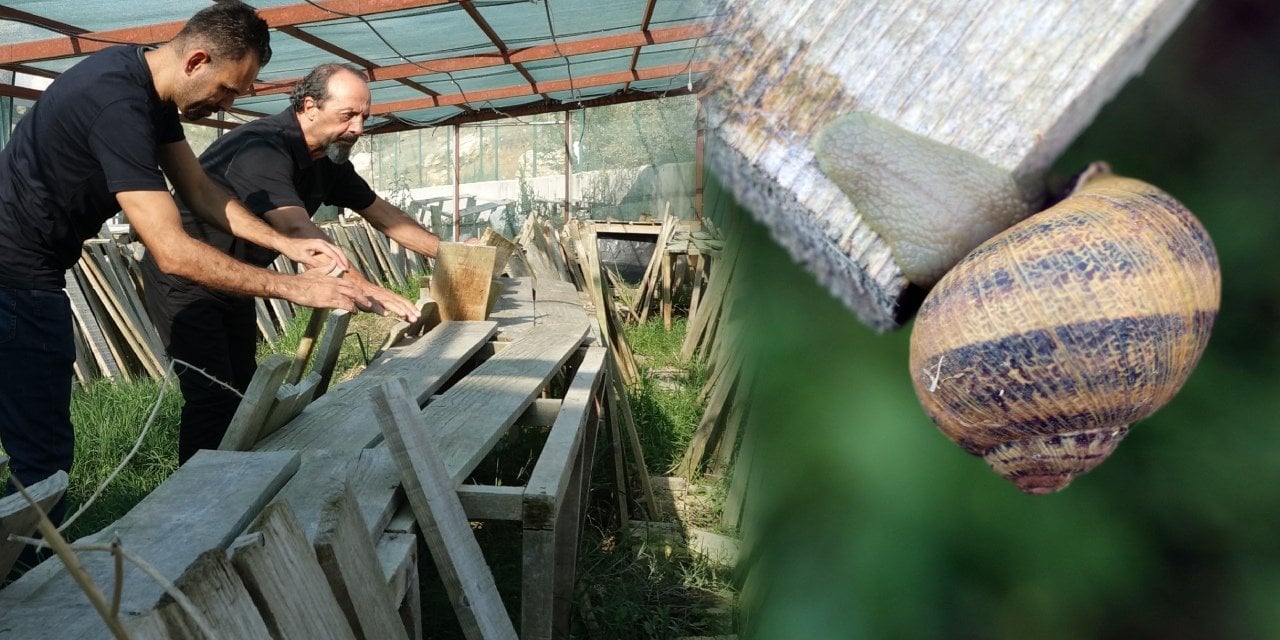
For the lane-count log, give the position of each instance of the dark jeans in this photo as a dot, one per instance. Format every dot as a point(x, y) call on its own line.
point(214, 332)
point(37, 355)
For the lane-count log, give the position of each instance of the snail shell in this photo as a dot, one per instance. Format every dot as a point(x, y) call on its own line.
point(1045, 343)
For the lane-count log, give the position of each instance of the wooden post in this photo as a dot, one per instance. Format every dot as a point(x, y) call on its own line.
point(1011, 82)
point(457, 183)
point(568, 164)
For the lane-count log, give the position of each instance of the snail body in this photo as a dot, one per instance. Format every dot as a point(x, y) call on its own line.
point(930, 202)
point(1041, 347)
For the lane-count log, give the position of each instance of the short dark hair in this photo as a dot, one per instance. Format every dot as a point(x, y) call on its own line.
point(229, 29)
point(315, 85)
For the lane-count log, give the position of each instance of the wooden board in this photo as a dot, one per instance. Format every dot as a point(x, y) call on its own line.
point(281, 573)
point(255, 406)
point(1012, 82)
point(550, 475)
point(168, 528)
point(19, 518)
point(219, 596)
point(430, 489)
point(398, 557)
point(341, 420)
point(330, 344)
point(350, 562)
point(461, 280)
point(469, 418)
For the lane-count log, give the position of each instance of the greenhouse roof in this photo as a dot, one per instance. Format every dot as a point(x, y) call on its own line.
point(430, 62)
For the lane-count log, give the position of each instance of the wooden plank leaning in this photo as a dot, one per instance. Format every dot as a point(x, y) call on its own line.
point(430, 489)
point(256, 404)
point(350, 563)
point(285, 580)
point(461, 280)
point(169, 529)
point(19, 518)
point(218, 595)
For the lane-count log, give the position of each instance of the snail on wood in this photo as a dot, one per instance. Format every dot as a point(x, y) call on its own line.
point(1041, 347)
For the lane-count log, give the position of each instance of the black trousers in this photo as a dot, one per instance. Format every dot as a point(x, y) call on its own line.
point(211, 332)
point(37, 355)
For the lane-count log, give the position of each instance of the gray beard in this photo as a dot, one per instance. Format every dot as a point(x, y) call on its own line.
point(337, 152)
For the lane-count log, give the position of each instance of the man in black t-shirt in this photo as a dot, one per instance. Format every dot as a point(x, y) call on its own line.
point(283, 167)
point(102, 138)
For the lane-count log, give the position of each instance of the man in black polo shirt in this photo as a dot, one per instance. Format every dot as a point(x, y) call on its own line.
point(283, 167)
point(101, 139)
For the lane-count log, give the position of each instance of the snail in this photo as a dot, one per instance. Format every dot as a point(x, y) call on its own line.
point(1040, 348)
point(1043, 338)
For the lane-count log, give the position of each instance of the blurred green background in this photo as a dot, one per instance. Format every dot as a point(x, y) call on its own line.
point(869, 523)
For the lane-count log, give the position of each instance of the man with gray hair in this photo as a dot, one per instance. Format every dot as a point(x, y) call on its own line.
point(283, 167)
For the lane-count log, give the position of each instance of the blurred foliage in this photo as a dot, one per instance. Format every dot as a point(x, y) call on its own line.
point(870, 523)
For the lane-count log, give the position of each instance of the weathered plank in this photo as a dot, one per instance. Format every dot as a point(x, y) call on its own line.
point(255, 406)
point(291, 399)
point(461, 280)
point(398, 557)
point(430, 489)
point(19, 518)
point(550, 475)
point(552, 508)
point(469, 418)
point(326, 353)
point(219, 596)
point(342, 420)
point(346, 553)
point(167, 528)
point(281, 573)
point(1011, 82)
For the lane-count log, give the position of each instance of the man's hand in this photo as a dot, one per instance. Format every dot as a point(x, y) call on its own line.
point(315, 288)
point(386, 302)
point(314, 253)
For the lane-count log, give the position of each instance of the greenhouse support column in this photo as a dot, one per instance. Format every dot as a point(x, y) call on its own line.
point(568, 168)
point(699, 142)
point(457, 184)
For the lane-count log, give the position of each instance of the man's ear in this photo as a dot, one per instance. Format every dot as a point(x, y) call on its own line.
point(309, 107)
point(195, 58)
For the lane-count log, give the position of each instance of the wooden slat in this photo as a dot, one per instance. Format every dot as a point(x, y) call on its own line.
point(471, 416)
point(291, 399)
point(329, 346)
point(167, 528)
point(484, 502)
point(286, 582)
point(430, 489)
point(219, 596)
point(87, 323)
point(1011, 82)
point(350, 562)
point(342, 418)
point(398, 557)
point(461, 280)
point(19, 518)
point(256, 404)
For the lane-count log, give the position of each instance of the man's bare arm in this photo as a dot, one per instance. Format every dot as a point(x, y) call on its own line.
point(154, 217)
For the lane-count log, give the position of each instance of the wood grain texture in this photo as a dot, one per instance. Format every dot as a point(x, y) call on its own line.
point(346, 553)
point(256, 405)
point(461, 280)
point(1010, 81)
point(214, 587)
point(168, 529)
point(281, 573)
point(19, 518)
point(430, 489)
point(469, 418)
point(342, 419)
point(550, 476)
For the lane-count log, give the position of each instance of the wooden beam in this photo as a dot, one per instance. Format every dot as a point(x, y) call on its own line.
point(551, 86)
point(288, 15)
point(1009, 82)
point(350, 562)
point(522, 55)
point(445, 528)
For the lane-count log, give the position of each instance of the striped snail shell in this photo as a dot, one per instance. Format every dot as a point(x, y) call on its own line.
point(1041, 347)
